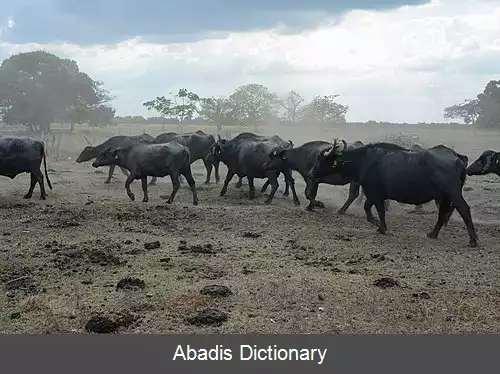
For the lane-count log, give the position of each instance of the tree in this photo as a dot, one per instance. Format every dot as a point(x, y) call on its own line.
point(37, 88)
point(484, 111)
point(216, 110)
point(291, 103)
point(182, 106)
point(102, 115)
point(324, 109)
point(489, 106)
point(468, 111)
point(253, 104)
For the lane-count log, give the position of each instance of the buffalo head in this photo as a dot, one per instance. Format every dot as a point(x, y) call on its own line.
point(329, 160)
point(86, 155)
point(488, 162)
point(110, 156)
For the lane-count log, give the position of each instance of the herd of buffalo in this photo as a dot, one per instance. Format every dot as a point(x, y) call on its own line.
point(385, 171)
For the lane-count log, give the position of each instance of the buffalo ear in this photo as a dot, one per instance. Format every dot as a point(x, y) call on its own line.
point(116, 154)
point(283, 154)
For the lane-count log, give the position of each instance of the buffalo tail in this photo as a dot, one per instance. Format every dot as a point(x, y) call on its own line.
point(45, 166)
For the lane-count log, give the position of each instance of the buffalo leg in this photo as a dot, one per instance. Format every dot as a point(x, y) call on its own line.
point(153, 181)
point(128, 182)
point(217, 176)
point(33, 181)
point(463, 209)
point(291, 182)
point(444, 209)
point(39, 177)
point(387, 204)
point(110, 174)
point(175, 178)
point(380, 206)
point(251, 188)
point(264, 187)
point(274, 187)
point(144, 181)
point(229, 176)
point(353, 194)
point(287, 186)
point(239, 183)
point(192, 185)
point(369, 215)
point(208, 166)
point(311, 192)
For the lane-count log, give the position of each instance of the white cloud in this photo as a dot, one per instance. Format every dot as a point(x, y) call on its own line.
point(8, 24)
point(399, 65)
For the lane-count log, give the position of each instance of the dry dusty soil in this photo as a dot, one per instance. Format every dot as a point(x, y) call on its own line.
point(89, 259)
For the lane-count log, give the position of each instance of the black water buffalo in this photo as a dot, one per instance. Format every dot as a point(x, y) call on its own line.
point(419, 208)
point(388, 171)
point(302, 159)
point(488, 162)
point(90, 152)
point(245, 155)
point(250, 135)
point(156, 160)
point(199, 145)
point(24, 155)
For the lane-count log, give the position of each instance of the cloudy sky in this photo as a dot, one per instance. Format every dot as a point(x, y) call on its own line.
point(393, 60)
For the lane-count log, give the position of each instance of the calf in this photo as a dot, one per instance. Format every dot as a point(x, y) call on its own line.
point(89, 152)
point(246, 155)
point(156, 160)
point(199, 145)
point(24, 155)
point(388, 171)
point(302, 159)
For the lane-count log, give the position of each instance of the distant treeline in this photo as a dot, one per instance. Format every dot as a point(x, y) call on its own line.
point(130, 120)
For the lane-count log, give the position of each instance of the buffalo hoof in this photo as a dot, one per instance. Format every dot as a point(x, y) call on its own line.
point(107, 181)
point(170, 201)
point(380, 231)
point(131, 196)
point(267, 201)
point(296, 202)
point(432, 235)
point(472, 243)
point(207, 182)
point(43, 197)
point(151, 184)
point(310, 207)
point(340, 212)
point(286, 193)
point(27, 196)
point(145, 200)
point(195, 202)
point(320, 205)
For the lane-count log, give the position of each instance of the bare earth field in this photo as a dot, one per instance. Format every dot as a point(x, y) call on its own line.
point(287, 270)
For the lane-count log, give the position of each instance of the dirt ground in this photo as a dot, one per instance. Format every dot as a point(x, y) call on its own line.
point(68, 264)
